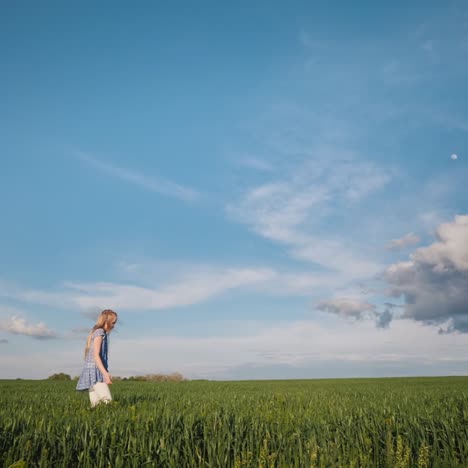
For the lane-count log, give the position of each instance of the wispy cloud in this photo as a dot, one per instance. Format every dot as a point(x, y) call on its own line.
point(307, 40)
point(289, 211)
point(196, 285)
point(256, 163)
point(153, 183)
point(450, 121)
point(405, 241)
point(177, 285)
point(7, 310)
point(306, 345)
point(347, 308)
point(429, 45)
point(19, 326)
point(305, 348)
point(396, 72)
point(190, 289)
point(59, 299)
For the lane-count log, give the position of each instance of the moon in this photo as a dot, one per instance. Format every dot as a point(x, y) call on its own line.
point(454, 157)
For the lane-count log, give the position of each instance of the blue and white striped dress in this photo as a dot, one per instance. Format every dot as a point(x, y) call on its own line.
point(91, 374)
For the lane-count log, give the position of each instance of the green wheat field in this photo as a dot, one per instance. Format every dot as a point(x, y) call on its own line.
point(397, 422)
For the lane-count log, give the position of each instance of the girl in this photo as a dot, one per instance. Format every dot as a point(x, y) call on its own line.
point(95, 376)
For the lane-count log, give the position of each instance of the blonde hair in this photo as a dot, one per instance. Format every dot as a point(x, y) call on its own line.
point(105, 316)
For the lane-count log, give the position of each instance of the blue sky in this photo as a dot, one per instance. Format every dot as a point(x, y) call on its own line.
point(260, 191)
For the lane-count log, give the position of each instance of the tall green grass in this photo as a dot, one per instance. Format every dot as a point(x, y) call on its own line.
point(364, 422)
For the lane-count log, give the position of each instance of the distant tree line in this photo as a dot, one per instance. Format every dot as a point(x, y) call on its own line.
point(174, 377)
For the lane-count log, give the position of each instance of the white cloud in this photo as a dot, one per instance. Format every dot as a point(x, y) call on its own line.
point(451, 249)
point(19, 326)
point(153, 184)
point(405, 241)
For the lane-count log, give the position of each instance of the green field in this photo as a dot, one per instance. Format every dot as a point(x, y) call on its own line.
point(360, 422)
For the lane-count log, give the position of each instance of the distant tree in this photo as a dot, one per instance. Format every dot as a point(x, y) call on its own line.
point(60, 376)
point(175, 377)
point(137, 378)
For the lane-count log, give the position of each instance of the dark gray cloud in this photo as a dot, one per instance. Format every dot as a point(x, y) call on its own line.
point(3, 341)
point(434, 282)
point(357, 309)
point(384, 319)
